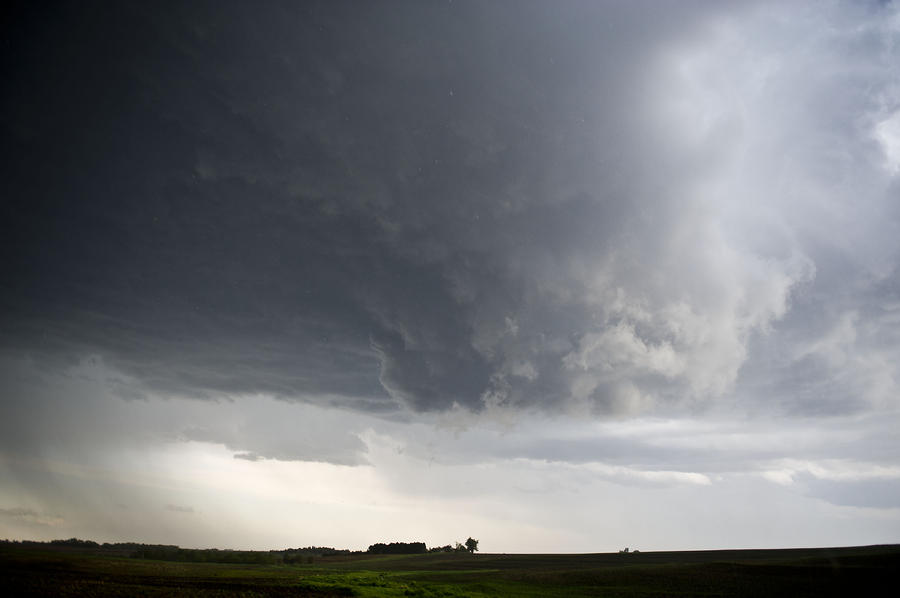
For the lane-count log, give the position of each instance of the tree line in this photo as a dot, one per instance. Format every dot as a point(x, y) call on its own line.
point(288, 556)
point(470, 546)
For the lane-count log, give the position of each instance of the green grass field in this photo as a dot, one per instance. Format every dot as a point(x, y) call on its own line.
point(863, 571)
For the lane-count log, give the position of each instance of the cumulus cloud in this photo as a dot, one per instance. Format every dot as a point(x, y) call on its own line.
point(553, 215)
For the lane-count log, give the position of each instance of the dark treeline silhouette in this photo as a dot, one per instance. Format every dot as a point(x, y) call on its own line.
point(287, 556)
point(398, 548)
point(471, 545)
point(90, 545)
point(170, 552)
point(75, 542)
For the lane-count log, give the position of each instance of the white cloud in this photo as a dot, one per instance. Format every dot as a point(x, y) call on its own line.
point(844, 470)
point(887, 132)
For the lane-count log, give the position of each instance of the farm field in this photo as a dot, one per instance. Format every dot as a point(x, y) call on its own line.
point(859, 571)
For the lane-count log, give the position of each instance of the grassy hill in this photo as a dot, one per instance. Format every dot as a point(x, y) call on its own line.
point(39, 570)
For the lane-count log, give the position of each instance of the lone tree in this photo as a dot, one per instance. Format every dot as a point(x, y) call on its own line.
point(472, 545)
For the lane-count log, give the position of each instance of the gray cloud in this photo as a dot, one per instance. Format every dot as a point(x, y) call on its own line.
point(584, 208)
point(878, 493)
point(248, 456)
point(30, 517)
point(79, 414)
point(180, 509)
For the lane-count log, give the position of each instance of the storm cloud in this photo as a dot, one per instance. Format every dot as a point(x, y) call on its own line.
point(347, 201)
point(311, 233)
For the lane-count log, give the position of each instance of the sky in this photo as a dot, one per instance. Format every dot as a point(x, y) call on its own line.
point(559, 276)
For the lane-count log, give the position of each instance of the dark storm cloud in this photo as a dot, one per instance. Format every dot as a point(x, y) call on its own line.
point(371, 206)
point(287, 200)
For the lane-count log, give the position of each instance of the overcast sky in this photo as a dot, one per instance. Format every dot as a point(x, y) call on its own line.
point(561, 276)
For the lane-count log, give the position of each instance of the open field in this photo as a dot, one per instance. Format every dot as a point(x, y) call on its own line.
point(862, 571)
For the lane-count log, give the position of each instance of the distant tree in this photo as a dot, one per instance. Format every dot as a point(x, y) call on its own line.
point(75, 542)
point(398, 548)
point(472, 545)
